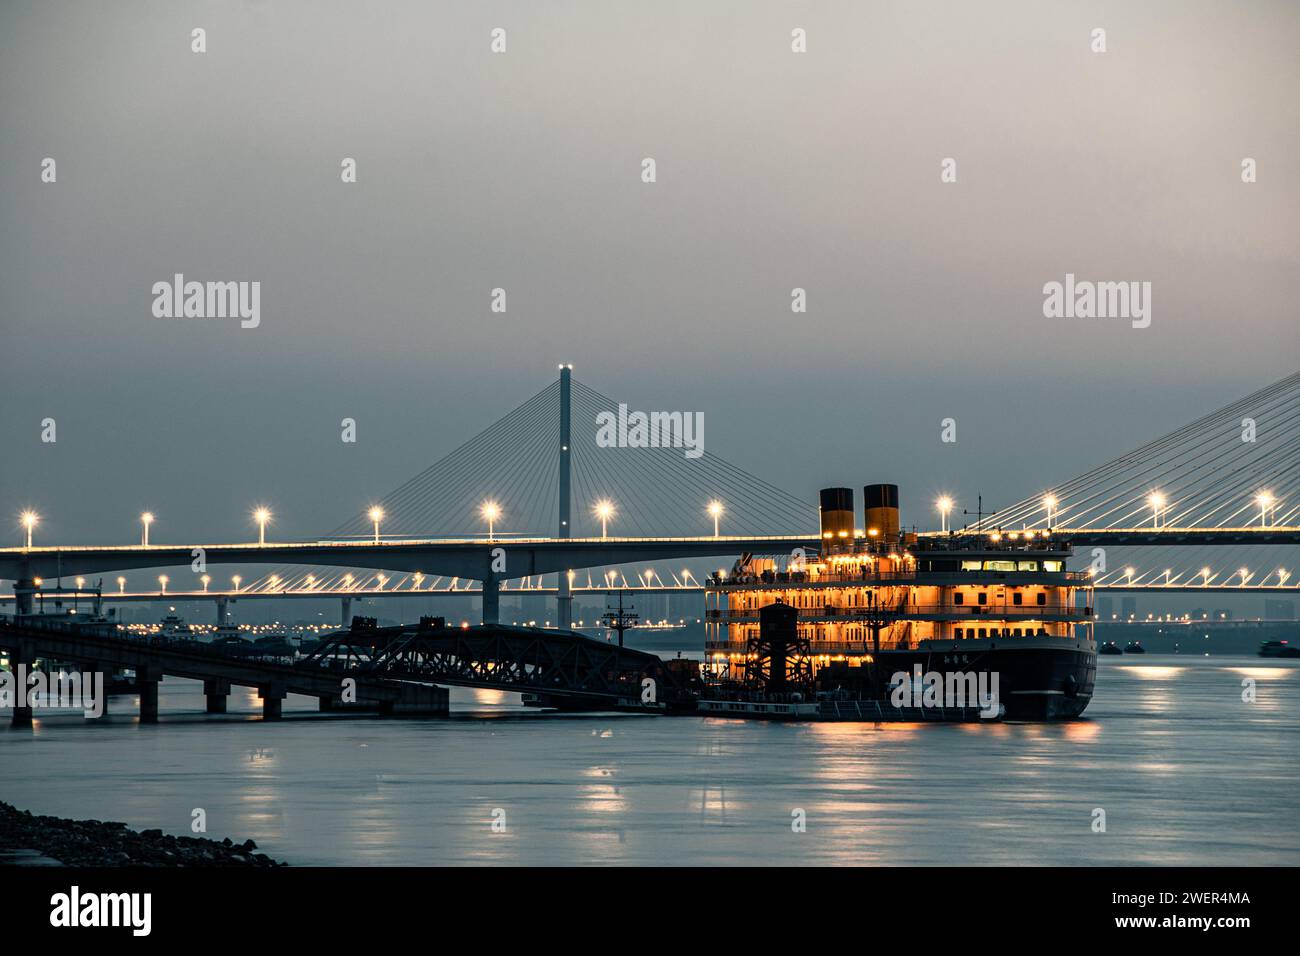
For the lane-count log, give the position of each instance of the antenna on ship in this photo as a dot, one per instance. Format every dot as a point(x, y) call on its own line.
point(979, 514)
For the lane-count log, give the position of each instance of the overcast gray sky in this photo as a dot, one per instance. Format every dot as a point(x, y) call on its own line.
point(523, 170)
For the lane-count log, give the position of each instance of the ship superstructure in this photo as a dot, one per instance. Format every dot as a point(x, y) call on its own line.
point(877, 602)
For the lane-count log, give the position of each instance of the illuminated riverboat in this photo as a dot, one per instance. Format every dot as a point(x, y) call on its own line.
point(883, 624)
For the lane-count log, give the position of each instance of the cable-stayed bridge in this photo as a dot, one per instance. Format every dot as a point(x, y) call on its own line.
point(1229, 481)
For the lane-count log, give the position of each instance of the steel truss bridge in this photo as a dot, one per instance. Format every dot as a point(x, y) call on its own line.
point(394, 670)
point(556, 667)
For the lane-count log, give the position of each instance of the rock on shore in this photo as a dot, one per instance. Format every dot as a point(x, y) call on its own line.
point(96, 843)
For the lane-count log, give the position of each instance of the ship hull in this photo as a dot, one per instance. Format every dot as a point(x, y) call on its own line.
point(1036, 680)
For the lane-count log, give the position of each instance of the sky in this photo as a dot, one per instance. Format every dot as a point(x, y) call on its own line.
point(523, 171)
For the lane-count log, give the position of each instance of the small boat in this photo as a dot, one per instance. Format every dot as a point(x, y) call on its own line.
point(1134, 647)
point(1278, 649)
point(1110, 647)
point(173, 627)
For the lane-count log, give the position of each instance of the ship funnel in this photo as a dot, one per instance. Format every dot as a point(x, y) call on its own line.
point(881, 504)
point(837, 518)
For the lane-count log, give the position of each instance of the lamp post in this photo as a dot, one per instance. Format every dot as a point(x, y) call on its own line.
point(715, 510)
point(146, 519)
point(490, 511)
point(1265, 501)
point(30, 519)
point(1157, 502)
point(604, 510)
point(944, 505)
point(261, 516)
point(376, 516)
point(1049, 505)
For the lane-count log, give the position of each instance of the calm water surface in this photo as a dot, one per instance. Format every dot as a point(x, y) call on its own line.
point(1186, 771)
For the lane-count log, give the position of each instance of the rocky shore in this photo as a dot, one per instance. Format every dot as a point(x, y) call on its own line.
point(33, 840)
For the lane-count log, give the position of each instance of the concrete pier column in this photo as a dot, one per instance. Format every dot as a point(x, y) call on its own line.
point(22, 659)
point(491, 599)
point(347, 612)
point(272, 701)
point(24, 588)
point(564, 602)
point(148, 683)
point(223, 611)
point(216, 691)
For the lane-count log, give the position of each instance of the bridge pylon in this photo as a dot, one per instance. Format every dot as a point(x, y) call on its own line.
point(564, 593)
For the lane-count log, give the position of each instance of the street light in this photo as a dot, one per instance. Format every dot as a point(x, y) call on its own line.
point(121, 585)
point(1157, 502)
point(604, 510)
point(146, 519)
point(262, 515)
point(490, 511)
point(715, 510)
point(944, 504)
point(376, 515)
point(235, 579)
point(1129, 572)
point(30, 520)
point(1265, 501)
point(1049, 505)
point(206, 579)
point(162, 580)
point(1282, 575)
point(1245, 575)
point(1205, 577)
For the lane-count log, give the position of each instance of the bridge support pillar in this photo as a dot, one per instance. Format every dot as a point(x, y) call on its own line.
point(223, 611)
point(216, 691)
point(564, 601)
point(23, 591)
point(148, 681)
point(347, 612)
point(491, 599)
point(22, 659)
point(272, 701)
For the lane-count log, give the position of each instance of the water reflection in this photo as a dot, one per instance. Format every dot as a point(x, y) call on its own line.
point(1180, 762)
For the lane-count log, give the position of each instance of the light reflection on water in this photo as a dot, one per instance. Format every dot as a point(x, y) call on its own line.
point(1186, 770)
